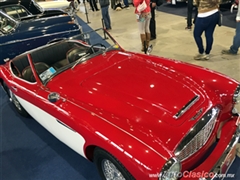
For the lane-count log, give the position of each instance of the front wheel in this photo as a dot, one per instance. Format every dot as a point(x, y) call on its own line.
point(109, 167)
point(15, 102)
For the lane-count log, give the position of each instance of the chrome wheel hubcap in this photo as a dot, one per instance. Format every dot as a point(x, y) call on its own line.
point(110, 171)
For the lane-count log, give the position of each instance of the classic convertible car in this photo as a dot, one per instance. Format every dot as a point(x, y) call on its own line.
point(20, 34)
point(136, 116)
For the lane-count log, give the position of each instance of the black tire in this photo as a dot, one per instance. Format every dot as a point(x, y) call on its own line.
point(113, 168)
point(15, 102)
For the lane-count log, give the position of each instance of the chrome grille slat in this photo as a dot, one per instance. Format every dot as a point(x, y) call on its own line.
point(199, 136)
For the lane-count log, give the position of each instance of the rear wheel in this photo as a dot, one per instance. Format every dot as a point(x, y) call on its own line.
point(109, 167)
point(15, 102)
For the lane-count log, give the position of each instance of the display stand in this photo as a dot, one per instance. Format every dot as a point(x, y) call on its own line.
point(105, 37)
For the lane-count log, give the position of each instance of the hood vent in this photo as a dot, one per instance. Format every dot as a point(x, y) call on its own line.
point(186, 107)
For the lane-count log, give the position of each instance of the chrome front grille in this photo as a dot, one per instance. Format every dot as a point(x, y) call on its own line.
point(197, 136)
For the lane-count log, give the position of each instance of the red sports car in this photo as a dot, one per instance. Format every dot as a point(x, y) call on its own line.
point(136, 116)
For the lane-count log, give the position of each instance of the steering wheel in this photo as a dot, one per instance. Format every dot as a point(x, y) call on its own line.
point(91, 49)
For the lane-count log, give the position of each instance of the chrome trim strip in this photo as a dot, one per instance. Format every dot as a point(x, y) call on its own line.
point(60, 122)
point(186, 107)
point(236, 94)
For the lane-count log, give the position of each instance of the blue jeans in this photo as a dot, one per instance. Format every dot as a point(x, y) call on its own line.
point(236, 40)
point(207, 25)
point(106, 17)
point(126, 3)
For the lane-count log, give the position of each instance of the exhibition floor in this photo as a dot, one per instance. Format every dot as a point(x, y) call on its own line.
point(29, 152)
point(173, 41)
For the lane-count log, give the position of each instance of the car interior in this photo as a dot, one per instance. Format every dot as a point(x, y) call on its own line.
point(3, 21)
point(58, 55)
point(6, 25)
point(27, 73)
point(55, 56)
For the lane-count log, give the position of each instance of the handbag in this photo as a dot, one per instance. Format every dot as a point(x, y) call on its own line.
point(220, 19)
point(141, 7)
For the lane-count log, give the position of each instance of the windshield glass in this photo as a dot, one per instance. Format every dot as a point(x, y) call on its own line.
point(15, 11)
point(57, 57)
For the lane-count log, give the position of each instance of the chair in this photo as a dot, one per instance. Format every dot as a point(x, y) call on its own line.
point(27, 73)
point(74, 54)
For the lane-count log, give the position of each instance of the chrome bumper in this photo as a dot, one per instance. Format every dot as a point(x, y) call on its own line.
point(217, 168)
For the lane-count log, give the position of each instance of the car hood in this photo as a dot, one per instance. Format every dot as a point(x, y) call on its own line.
point(136, 95)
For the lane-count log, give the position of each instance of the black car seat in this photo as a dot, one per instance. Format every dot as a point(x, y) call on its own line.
point(27, 73)
point(75, 54)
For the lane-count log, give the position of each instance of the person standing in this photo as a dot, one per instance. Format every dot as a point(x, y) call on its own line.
point(143, 19)
point(206, 21)
point(126, 4)
point(236, 40)
point(189, 14)
point(93, 5)
point(113, 4)
point(105, 13)
point(152, 20)
point(190, 9)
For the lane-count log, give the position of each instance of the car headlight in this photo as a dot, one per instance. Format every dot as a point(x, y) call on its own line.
point(170, 170)
point(236, 100)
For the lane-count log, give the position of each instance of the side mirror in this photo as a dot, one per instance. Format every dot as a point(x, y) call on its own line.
point(53, 97)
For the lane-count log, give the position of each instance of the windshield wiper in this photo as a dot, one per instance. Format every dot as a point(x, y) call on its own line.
point(80, 59)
